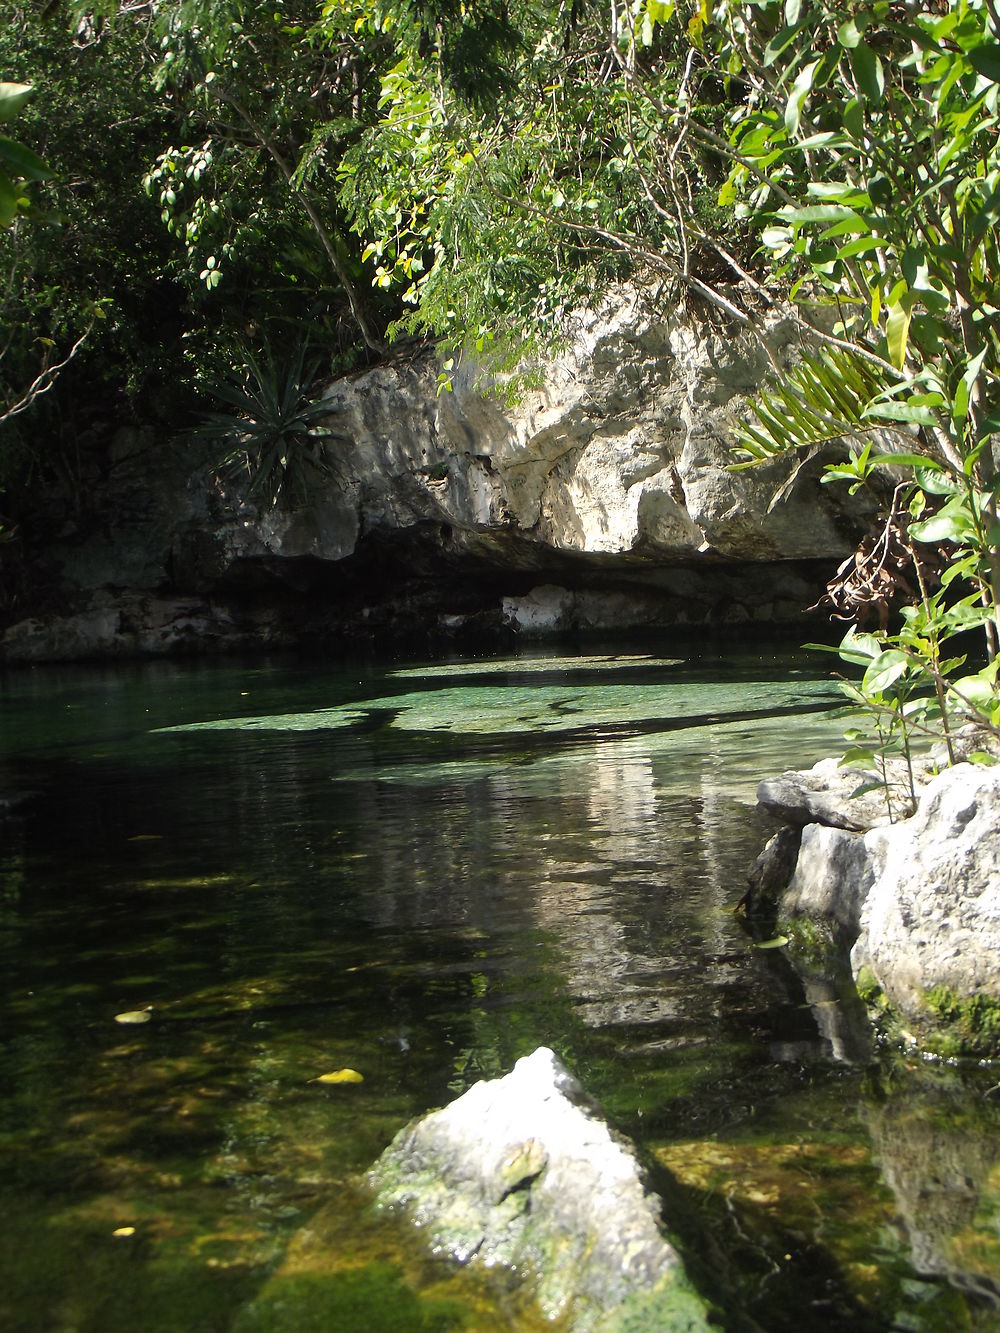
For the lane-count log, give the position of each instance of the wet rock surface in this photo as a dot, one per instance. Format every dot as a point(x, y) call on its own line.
point(520, 1172)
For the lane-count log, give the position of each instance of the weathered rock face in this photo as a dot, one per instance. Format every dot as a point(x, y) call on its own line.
point(932, 916)
point(919, 899)
point(834, 871)
point(825, 794)
point(603, 499)
point(517, 1172)
point(624, 450)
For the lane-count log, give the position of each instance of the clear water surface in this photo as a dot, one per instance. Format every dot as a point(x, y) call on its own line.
point(421, 871)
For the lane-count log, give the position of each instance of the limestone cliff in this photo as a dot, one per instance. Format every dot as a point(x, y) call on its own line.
point(602, 498)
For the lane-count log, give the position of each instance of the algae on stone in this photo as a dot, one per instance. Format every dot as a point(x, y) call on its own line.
point(518, 1173)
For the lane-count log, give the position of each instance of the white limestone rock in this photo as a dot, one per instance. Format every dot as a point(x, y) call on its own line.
point(833, 875)
point(844, 798)
point(624, 449)
point(518, 1172)
point(932, 915)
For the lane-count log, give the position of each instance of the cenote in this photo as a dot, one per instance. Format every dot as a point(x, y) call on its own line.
point(421, 871)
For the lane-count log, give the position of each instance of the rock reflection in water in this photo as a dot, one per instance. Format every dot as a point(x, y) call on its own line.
point(939, 1151)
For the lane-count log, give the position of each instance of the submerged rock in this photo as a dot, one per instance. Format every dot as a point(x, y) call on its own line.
point(938, 1150)
point(518, 1172)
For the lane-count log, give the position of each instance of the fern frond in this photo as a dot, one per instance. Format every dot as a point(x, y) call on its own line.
point(823, 398)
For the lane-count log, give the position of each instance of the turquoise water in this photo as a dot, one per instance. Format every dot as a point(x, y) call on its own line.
point(419, 871)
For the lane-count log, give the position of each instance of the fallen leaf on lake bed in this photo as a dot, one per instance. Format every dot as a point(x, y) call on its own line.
point(123, 1231)
point(340, 1076)
point(135, 1016)
point(146, 837)
point(778, 942)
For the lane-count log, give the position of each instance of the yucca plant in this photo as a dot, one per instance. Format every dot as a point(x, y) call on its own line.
point(275, 435)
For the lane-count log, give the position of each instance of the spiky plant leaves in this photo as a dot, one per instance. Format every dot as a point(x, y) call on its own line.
point(825, 397)
point(276, 434)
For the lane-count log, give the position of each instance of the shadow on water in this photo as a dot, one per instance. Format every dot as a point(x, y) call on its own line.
point(424, 906)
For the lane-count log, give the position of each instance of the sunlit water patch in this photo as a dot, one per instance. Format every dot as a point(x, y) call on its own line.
point(502, 709)
point(419, 893)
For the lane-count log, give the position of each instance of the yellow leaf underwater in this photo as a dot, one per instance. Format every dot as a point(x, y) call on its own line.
point(134, 1016)
point(778, 942)
point(340, 1076)
point(123, 1231)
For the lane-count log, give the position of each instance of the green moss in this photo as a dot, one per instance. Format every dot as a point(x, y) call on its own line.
point(375, 1298)
point(673, 1307)
point(810, 940)
point(968, 1026)
point(869, 988)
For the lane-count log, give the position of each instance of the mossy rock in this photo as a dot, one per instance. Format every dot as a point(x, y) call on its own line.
point(949, 1025)
point(964, 1026)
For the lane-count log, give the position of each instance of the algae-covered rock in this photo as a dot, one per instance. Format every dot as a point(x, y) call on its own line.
point(519, 1172)
point(919, 899)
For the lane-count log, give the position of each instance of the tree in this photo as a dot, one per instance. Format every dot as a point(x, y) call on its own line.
point(856, 173)
point(513, 168)
point(265, 110)
point(868, 160)
point(86, 250)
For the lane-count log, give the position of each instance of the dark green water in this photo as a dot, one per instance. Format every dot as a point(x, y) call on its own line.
point(421, 872)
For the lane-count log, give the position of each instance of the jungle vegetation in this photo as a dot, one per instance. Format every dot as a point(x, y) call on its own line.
point(215, 179)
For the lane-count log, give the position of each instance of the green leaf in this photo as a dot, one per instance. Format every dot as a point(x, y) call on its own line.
point(897, 330)
point(859, 648)
point(860, 246)
point(906, 460)
point(20, 161)
point(858, 756)
point(979, 691)
point(854, 121)
point(779, 43)
point(12, 98)
point(848, 35)
point(943, 527)
point(934, 479)
point(868, 72)
point(913, 412)
point(796, 100)
point(884, 671)
point(818, 213)
point(985, 60)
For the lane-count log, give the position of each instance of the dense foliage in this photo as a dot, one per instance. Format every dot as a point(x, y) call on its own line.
point(231, 177)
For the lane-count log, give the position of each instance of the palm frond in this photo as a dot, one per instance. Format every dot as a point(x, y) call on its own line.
point(823, 398)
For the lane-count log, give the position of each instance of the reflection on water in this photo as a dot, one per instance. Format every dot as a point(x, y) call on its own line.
point(301, 870)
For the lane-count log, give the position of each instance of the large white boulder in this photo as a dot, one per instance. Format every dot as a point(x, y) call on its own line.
point(519, 1172)
point(932, 915)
